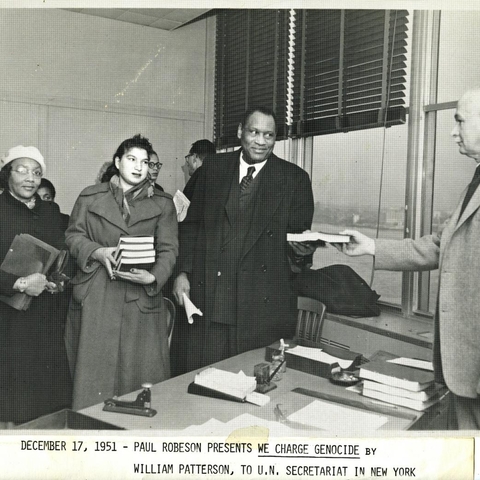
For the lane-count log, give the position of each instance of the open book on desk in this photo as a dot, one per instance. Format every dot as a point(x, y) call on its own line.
point(26, 255)
point(238, 387)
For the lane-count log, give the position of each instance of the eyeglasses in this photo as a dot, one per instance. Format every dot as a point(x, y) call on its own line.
point(155, 165)
point(23, 171)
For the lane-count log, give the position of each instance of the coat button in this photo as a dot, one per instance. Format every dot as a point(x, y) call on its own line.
point(222, 249)
point(269, 233)
point(266, 299)
point(264, 268)
point(219, 273)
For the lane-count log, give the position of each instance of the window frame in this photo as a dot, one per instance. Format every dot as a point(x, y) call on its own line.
point(421, 116)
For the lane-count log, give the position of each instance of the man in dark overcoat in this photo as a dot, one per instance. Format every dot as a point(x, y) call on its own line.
point(235, 262)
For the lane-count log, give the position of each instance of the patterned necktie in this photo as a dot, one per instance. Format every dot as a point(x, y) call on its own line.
point(247, 179)
point(471, 189)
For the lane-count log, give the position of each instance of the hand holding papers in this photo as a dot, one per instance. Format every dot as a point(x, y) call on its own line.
point(190, 308)
point(181, 205)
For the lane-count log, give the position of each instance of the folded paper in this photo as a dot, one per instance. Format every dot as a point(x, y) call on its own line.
point(190, 308)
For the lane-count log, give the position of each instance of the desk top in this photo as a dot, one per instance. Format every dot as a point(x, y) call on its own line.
point(177, 409)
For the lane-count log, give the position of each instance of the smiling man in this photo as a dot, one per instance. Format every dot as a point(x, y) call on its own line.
point(235, 261)
point(456, 353)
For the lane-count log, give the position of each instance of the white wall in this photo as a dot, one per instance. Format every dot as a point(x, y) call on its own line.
point(76, 86)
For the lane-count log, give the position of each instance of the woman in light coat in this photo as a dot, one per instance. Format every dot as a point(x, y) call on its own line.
point(116, 331)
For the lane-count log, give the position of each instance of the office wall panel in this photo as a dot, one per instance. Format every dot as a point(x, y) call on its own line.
point(80, 141)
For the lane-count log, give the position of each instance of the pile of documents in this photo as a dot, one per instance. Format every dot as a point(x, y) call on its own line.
point(398, 382)
point(135, 252)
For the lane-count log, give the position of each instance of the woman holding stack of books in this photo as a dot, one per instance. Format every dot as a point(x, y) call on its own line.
point(116, 332)
point(34, 376)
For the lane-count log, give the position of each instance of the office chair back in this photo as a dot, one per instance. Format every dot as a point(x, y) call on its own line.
point(172, 312)
point(311, 315)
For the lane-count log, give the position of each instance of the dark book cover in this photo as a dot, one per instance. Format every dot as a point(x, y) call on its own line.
point(315, 367)
point(210, 392)
point(26, 255)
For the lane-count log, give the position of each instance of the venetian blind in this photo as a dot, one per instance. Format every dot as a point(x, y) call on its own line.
point(349, 70)
point(251, 68)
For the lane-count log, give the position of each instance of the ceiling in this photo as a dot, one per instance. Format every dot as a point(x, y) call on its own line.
point(162, 18)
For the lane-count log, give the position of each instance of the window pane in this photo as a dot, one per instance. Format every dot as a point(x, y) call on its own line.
point(453, 172)
point(459, 53)
point(346, 184)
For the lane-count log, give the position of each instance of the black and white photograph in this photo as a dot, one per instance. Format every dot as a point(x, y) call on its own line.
point(238, 240)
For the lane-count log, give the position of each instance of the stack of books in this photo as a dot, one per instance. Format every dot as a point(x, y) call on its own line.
point(135, 252)
point(400, 384)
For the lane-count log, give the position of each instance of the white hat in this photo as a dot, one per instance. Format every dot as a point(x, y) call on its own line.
point(23, 152)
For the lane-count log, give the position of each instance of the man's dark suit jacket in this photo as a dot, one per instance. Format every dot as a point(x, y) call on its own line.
point(266, 303)
point(190, 186)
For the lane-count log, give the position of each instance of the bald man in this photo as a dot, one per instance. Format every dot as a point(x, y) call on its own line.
point(456, 253)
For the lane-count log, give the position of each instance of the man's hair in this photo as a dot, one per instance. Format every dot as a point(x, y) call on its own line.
point(44, 183)
point(202, 148)
point(137, 141)
point(260, 109)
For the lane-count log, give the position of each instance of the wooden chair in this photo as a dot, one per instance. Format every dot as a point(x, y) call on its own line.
point(172, 312)
point(311, 315)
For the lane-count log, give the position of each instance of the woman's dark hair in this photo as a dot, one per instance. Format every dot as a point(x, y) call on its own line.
point(44, 183)
point(5, 175)
point(137, 141)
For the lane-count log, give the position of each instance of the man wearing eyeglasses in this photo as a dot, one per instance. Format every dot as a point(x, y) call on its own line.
point(454, 251)
point(154, 167)
point(193, 161)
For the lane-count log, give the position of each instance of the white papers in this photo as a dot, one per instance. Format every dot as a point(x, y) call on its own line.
point(318, 355)
point(257, 398)
point(181, 205)
point(338, 418)
point(413, 362)
point(316, 236)
point(190, 308)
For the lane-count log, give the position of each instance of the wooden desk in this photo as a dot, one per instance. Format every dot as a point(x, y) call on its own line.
point(178, 409)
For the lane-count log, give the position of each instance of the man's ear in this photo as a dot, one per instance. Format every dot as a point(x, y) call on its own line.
point(239, 131)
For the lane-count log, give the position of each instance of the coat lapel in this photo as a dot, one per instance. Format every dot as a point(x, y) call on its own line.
point(270, 193)
point(470, 209)
point(107, 208)
point(217, 194)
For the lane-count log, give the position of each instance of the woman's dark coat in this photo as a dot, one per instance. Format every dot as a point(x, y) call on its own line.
point(34, 377)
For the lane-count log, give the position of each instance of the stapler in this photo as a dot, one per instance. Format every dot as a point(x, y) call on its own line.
point(140, 406)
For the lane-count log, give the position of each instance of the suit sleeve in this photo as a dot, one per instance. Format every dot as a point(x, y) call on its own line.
point(408, 254)
point(300, 217)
